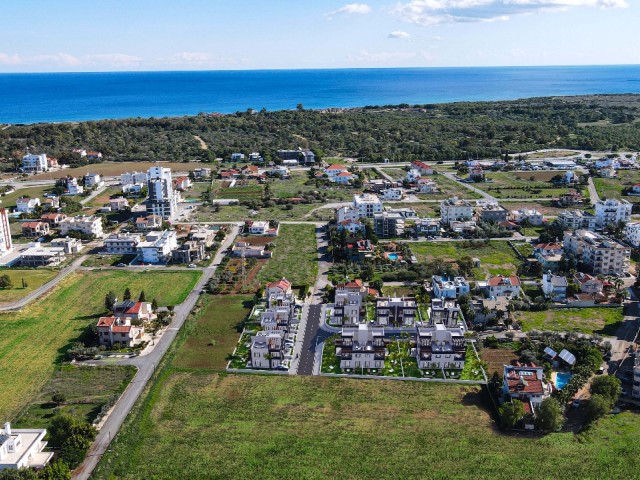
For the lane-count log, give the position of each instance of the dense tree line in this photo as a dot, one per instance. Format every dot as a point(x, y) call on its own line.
point(431, 132)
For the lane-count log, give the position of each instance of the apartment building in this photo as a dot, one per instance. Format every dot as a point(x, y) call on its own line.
point(122, 243)
point(163, 200)
point(454, 209)
point(35, 163)
point(492, 213)
point(530, 215)
point(88, 225)
point(601, 254)
point(440, 343)
point(396, 311)
point(576, 219)
point(612, 211)
point(445, 287)
point(157, 247)
point(361, 347)
point(267, 349)
point(348, 306)
point(632, 233)
point(388, 224)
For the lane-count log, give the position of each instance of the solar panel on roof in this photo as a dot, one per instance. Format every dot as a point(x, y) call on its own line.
point(551, 352)
point(567, 356)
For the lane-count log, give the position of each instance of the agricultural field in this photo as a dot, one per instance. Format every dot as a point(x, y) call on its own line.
point(584, 320)
point(324, 425)
point(34, 279)
point(9, 200)
point(496, 257)
point(211, 334)
point(613, 187)
point(497, 358)
point(85, 389)
point(505, 185)
point(33, 340)
point(294, 256)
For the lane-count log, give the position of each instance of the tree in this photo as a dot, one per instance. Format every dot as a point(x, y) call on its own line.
point(154, 305)
point(607, 386)
point(58, 398)
point(142, 297)
point(597, 406)
point(73, 438)
point(127, 294)
point(5, 281)
point(109, 300)
point(55, 471)
point(550, 415)
point(24, 283)
point(511, 413)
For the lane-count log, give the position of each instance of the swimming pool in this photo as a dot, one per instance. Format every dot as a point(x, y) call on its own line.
point(562, 378)
point(392, 256)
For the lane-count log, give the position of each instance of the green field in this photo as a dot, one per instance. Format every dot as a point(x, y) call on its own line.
point(522, 185)
point(283, 427)
point(449, 188)
point(295, 186)
point(212, 334)
point(612, 187)
point(196, 191)
point(496, 257)
point(86, 390)
point(584, 320)
point(33, 340)
point(34, 278)
point(233, 213)
point(295, 256)
point(9, 200)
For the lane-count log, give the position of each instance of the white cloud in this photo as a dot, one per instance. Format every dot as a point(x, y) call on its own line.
point(398, 35)
point(113, 59)
point(10, 59)
point(350, 9)
point(364, 56)
point(434, 12)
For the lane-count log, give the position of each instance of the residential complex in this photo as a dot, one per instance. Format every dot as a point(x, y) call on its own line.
point(361, 347)
point(157, 247)
point(602, 255)
point(612, 211)
point(87, 225)
point(575, 219)
point(35, 163)
point(349, 303)
point(396, 311)
point(441, 343)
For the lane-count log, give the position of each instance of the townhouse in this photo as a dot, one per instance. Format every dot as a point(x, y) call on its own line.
point(349, 303)
point(444, 287)
point(441, 343)
point(396, 311)
point(361, 347)
point(35, 229)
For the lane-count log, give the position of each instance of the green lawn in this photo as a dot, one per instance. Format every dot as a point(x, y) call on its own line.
point(233, 213)
point(285, 427)
point(212, 332)
point(33, 340)
point(584, 320)
point(34, 278)
point(9, 200)
point(521, 185)
point(496, 257)
point(86, 390)
point(295, 256)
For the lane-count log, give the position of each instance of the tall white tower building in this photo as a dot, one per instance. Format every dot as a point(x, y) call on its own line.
point(5, 233)
point(163, 200)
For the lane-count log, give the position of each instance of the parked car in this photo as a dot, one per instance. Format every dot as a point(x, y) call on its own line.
point(121, 265)
point(192, 265)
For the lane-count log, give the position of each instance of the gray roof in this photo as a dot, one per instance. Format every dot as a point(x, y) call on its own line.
point(567, 356)
point(550, 351)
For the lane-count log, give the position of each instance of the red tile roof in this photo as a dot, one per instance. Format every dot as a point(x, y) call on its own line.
point(106, 321)
point(282, 284)
point(121, 329)
point(135, 309)
point(336, 167)
point(344, 174)
point(357, 283)
point(420, 164)
point(513, 281)
point(32, 224)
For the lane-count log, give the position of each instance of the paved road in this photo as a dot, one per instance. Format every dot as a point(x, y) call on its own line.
point(146, 368)
point(593, 193)
point(485, 195)
point(311, 339)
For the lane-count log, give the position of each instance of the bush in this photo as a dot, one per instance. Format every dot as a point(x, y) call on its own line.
point(597, 407)
point(607, 386)
point(550, 416)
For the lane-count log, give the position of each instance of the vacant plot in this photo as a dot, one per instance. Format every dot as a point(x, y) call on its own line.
point(544, 207)
point(497, 358)
point(233, 213)
point(449, 188)
point(242, 193)
point(117, 168)
point(33, 340)
point(103, 198)
point(496, 257)
point(552, 154)
point(284, 427)
point(197, 190)
point(423, 210)
point(33, 278)
point(584, 320)
point(294, 257)
point(213, 334)
point(9, 200)
point(521, 185)
point(85, 390)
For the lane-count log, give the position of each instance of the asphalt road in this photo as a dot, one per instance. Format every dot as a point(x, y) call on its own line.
point(308, 353)
point(146, 368)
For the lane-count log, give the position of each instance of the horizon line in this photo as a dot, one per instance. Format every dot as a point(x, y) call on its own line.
point(320, 69)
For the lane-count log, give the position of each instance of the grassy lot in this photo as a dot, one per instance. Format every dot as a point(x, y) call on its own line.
point(496, 257)
point(233, 213)
point(242, 193)
point(295, 186)
point(544, 207)
point(397, 173)
point(33, 340)
point(103, 198)
point(86, 390)
point(196, 191)
point(343, 428)
point(118, 168)
point(521, 185)
point(35, 278)
point(103, 260)
point(423, 210)
point(9, 200)
point(294, 257)
point(552, 154)
point(449, 188)
point(584, 320)
point(612, 187)
point(212, 334)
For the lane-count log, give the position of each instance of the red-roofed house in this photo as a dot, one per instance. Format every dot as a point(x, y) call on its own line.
point(250, 171)
point(281, 287)
point(351, 226)
point(526, 383)
point(150, 222)
point(119, 331)
point(504, 286)
point(182, 183)
point(136, 311)
point(342, 178)
point(333, 171)
point(53, 219)
point(348, 307)
point(35, 229)
point(422, 167)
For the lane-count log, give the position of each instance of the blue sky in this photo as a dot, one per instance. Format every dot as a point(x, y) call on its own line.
point(111, 35)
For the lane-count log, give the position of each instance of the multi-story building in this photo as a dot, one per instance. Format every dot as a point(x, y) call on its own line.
point(69, 245)
point(527, 384)
point(35, 163)
point(388, 224)
point(396, 311)
point(188, 252)
point(53, 219)
point(119, 203)
point(119, 331)
point(588, 284)
point(301, 156)
point(575, 219)
point(332, 171)
point(135, 311)
point(426, 185)
point(122, 243)
point(555, 286)
point(441, 343)
point(612, 211)
point(267, 349)
point(534, 217)
point(392, 194)
point(150, 222)
point(157, 247)
point(500, 286)
point(361, 347)
point(348, 306)
point(632, 233)
point(22, 448)
point(454, 209)
point(27, 205)
point(492, 213)
point(37, 255)
point(428, 226)
point(93, 180)
point(72, 186)
point(88, 225)
point(443, 287)
point(163, 200)
point(601, 254)
point(367, 205)
point(135, 178)
point(549, 255)
point(35, 229)
point(5, 233)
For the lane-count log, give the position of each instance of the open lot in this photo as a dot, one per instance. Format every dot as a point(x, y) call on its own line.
point(212, 333)
point(584, 320)
point(86, 390)
point(284, 427)
point(496, 257)
point(521, 185)
point(497, 358)
point(543, 206)
point(449, 188)
point(297, 185)
point(33, 340)
point(294, 256)
point(197, 190)
point(103, 198)
point(34, 278)
point(552, 154)
point(110, 169)
point(9, 200)
point(613, 187)
point(234, 213)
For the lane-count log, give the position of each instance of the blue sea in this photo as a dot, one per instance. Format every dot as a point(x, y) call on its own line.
point(60, 97)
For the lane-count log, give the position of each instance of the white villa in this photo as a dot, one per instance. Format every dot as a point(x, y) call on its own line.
point(23, 448)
